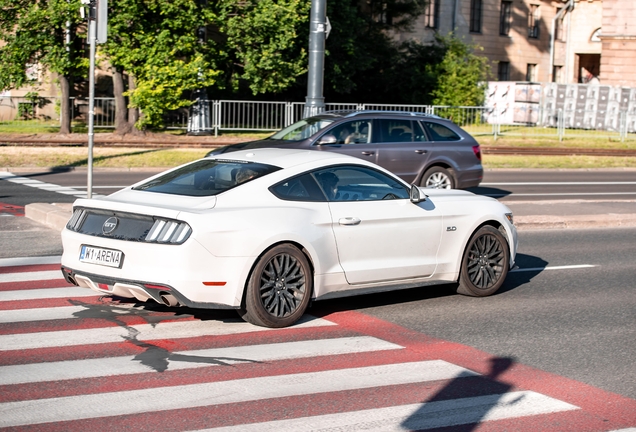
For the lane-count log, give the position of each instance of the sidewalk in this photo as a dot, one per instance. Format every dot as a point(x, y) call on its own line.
point(528, 215)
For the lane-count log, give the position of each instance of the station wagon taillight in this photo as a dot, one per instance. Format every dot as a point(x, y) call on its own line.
point(477, 151)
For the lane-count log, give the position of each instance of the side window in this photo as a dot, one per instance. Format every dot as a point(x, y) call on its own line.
point(300, 188)
point(437, 132)
point(354, 132)
point(358, 183)
point(395, 130)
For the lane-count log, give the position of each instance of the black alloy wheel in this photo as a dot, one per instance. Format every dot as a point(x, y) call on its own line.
point(279, 288)
point(485, 263)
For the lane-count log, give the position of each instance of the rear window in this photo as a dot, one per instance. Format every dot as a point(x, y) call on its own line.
point(206, 177)
point(438, 132)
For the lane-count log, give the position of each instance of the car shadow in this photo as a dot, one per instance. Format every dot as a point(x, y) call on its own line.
point(526, 268)
point(489, 191)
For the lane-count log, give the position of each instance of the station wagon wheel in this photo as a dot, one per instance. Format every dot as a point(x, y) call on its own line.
point(485, 263)
point(279, 288)
point(438, 178)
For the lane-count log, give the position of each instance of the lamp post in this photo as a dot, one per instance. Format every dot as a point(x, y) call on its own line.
point(199, 117)
point(318, 31)
point(97, 33)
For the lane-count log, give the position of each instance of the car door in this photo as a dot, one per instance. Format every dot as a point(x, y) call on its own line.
point(402, 147)
point(353, 138)
point(380, 234)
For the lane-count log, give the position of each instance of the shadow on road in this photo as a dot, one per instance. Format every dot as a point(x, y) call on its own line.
point(452, 400)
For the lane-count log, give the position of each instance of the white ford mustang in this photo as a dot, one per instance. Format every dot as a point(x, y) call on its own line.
point(265, 231)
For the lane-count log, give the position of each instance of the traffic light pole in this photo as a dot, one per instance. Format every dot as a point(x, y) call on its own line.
point(318, 29)
point(91, 105)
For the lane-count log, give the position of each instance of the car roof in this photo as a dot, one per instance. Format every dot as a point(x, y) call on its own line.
point(381, 113)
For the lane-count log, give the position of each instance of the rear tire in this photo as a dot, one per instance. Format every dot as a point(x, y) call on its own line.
point(279, 288)
point(438, 178)
point(485, 263)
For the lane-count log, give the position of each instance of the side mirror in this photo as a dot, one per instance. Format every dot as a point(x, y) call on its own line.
point(417, 195)
point(327, 139)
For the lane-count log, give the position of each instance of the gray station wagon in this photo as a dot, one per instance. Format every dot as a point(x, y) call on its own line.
point(423, 149)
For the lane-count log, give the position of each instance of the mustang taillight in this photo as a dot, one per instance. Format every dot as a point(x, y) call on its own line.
point(168, 231)
point(76, 219)
point(477, 151)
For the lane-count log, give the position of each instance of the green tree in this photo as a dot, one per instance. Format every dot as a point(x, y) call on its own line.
point(265, 42)
point(462, 75)
point(160, 44)
point(43, 33)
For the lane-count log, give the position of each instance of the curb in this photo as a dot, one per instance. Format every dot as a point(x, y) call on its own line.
point(57, 215)
point(52, 215)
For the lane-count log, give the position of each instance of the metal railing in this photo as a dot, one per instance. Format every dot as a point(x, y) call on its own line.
point(231, 115)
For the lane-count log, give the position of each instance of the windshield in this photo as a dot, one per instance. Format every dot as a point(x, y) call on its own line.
point(302, 129)
point(206, 177)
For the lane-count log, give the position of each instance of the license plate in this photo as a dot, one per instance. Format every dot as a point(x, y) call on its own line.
point(101, 256)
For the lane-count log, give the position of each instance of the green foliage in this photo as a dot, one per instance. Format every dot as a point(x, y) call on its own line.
point(34, 32)
point(161, 87)
point(262, 40)
point(462, 75)
point(26, 110)
point(159, 43)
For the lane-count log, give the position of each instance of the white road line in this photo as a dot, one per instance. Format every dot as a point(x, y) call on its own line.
point(429, 415)
point(23, 261)
point(31, 276)
point(142, 332)
point(560, 194)
point(570, 267)
point(46, 293)
point(25, 181)
point(217, 393)
point(127, 365)
point(558, 183)
point(41, 314)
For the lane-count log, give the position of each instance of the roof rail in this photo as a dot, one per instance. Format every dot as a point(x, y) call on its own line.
point(353, 113)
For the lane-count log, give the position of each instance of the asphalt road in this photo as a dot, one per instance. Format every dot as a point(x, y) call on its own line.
point(507, 185)
point(575, 322)
point(568, 309)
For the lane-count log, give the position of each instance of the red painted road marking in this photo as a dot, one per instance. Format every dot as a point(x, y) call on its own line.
point(11, 209)
point(593, 409)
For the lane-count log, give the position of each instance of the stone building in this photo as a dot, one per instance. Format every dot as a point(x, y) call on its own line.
point(563, 41)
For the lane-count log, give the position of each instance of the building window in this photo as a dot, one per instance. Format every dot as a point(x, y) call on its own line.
point(533, 21)
point(475, 16)
point(382, 15)
point(557, 74)
point(531, 72)
point(431, 14)
point(559, 30)
point(505, 18)
point(503, 71)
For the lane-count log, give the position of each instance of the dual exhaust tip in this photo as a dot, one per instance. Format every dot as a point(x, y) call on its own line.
point(168, 299)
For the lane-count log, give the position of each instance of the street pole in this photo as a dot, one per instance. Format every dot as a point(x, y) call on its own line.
point(97, 33)
point(92, 31)
point(318, 28)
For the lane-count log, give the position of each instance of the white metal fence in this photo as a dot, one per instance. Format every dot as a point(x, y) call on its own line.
point(229, 115)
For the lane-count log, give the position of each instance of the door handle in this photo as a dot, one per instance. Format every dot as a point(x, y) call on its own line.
point(421, 151)
point(368, 153)
point(349, 221)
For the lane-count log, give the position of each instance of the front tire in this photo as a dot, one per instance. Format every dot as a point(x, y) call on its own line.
point(485, 263)
point(438, 178)
point(279, 288)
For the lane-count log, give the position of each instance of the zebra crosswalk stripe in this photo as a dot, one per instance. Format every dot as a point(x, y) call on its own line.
point(67, 367)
